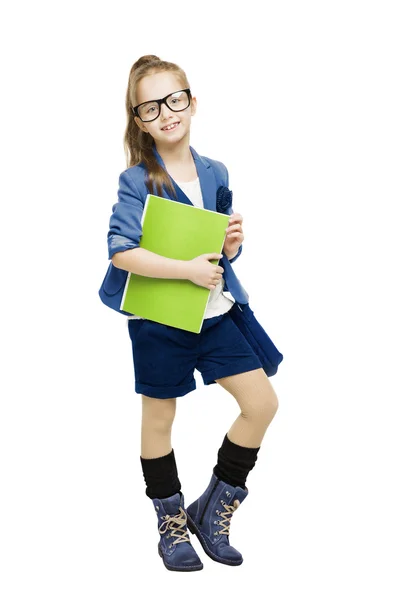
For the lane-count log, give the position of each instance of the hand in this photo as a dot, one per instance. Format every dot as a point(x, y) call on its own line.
point(234, 236)
point(202, 272)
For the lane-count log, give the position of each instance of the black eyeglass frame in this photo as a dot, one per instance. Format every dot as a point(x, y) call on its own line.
point(160, 102)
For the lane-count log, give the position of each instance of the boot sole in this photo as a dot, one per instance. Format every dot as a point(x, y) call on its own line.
point(195, 531)
point(171, 568)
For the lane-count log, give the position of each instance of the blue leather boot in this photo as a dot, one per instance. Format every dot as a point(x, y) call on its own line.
point(209, 518)
point(174, 546)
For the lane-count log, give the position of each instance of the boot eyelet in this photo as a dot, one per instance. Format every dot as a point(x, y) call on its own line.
point(228, 494)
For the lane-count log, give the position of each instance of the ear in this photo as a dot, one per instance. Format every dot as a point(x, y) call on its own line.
point(193, 104)
point(140, 124)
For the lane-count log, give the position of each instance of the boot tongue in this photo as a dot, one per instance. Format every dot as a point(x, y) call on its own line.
point(239, 494)
point(172, 504)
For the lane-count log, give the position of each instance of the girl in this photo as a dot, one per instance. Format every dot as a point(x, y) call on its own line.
point(159, 108)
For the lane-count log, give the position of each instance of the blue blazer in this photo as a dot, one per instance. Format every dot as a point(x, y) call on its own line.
point(125, 228)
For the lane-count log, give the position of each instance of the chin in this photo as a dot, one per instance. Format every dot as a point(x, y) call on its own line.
point(175, 139)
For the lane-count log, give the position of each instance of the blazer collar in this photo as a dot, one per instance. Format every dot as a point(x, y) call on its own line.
point(206, 176)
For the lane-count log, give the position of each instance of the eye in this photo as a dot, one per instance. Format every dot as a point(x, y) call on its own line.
point(148, 109)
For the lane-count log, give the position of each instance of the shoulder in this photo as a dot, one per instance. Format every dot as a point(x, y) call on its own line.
point(135, 178)
point(136, 173)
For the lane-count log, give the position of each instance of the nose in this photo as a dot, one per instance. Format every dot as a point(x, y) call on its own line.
point(165, 111)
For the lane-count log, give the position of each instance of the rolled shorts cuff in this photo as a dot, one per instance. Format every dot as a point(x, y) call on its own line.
point(232, 369)
point(165, 392)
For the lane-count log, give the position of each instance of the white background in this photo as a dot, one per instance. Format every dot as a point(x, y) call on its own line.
point(318, 163)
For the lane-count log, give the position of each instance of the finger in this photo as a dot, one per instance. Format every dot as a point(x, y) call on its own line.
point(236, 218)
point(236, 227)
point(212, 256)
point(235, 235)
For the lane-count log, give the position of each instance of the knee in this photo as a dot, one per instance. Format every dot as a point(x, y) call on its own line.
point(264, 409)
point(158, 415)
point(274, 404)
point(159, 424)
point(269, 407)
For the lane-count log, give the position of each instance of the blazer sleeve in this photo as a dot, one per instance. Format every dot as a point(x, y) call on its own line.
point(125, 227)
point(231, 211)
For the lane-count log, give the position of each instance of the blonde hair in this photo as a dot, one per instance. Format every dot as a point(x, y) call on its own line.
point(138, 144)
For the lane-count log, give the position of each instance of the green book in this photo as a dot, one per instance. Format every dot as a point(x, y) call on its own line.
point(180, 231)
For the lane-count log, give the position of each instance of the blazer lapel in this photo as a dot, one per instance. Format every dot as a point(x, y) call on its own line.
point(207, 181)
point(206, 176)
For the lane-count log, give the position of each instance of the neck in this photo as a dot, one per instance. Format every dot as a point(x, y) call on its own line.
point(176, 153)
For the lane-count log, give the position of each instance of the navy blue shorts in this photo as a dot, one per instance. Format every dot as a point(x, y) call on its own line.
point(165, 357)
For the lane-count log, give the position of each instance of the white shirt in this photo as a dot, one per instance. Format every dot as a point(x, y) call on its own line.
point(218, 303)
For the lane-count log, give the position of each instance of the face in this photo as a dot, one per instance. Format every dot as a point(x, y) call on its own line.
point(154, 87)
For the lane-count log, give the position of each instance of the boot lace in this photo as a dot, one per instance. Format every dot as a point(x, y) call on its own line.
point(225, 522)
point(176, 525)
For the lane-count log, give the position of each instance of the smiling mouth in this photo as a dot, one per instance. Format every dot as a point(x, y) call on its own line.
point(170, 127)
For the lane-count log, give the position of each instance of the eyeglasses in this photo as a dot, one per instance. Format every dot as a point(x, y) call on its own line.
point(149, 111)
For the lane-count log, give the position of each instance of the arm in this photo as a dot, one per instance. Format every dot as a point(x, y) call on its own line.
point(235, 256)
point(147, 263)
point(229, 211)
point(125, 227)
point(125, 230)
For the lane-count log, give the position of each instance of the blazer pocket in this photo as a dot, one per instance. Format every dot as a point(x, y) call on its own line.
point(114, 280)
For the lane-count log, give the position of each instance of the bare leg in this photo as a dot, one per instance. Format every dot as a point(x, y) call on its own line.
point(258, 404)
point(156, 428)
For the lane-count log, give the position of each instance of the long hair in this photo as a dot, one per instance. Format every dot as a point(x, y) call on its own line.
point(138, 144)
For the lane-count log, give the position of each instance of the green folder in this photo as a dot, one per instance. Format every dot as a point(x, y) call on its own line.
point(180, 231)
